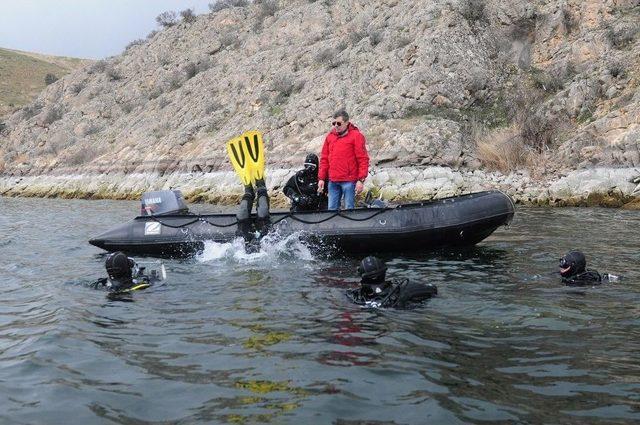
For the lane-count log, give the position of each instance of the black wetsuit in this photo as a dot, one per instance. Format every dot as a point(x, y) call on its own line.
point(127, 285)
point(302, 189)
point(396, 294)
point(589, 278)
point(130, 285)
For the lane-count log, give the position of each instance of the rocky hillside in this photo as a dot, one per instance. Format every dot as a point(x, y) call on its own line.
point(23, 75)
point(545, 85)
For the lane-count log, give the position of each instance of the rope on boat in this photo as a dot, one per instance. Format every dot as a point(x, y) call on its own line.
point(288, 215)
point(178, 226)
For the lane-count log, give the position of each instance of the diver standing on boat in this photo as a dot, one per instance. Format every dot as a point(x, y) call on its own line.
point(246, 153)
point(302, 188)
point(375, 291)
point(573, 270)
point(344, 162)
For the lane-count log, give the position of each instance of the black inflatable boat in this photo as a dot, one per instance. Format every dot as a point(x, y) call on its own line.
point(166, 228)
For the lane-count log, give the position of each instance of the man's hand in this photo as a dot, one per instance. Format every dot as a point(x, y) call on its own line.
point(359, 186)
point(320, 186)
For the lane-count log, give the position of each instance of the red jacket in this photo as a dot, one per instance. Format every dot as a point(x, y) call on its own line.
point(344, 158)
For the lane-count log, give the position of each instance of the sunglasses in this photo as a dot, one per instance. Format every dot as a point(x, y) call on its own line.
point(337, 123)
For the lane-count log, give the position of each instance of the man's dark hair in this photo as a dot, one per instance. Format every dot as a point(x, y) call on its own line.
point(341, 113)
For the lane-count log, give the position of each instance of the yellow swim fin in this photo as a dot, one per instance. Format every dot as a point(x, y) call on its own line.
point(246, 153)
point(255, 153)
point(238, 159)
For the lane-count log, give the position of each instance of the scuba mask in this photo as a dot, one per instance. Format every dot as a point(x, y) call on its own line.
point(311, 163)
point(573, 263)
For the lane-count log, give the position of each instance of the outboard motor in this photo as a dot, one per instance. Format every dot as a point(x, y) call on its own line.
point(163, 202)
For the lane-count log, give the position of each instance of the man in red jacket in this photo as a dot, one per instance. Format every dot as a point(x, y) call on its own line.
point(344, 161)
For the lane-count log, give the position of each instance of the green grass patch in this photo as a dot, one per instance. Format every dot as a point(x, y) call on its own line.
point(491, 115)
point(23, 75)
point(275, 110)
point(494, 115)
point(585, 116)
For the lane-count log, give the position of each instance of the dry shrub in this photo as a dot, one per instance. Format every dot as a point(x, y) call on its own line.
point(188, 16)
point(267, 8)
point(329, 57)
point(503, 149)
point(229, 38)
point(80, 155)
point(154, 93)
point(77, 87)
point(112, 73)
point(375, 37)
point(357, 35)
point(550, 82)
point(474, 11)
point(171, 81)
point(617, 69)
point(50, 115)
point(285, 86)
point(134, 43)
point(225, 4)
point(127, 107)
point(191, 69)
point(167, 19)
point(537, 131)
point(622, 36)
point(58, 142)
point(97, 67)
point(325, 55)
point(50, 79)
point(525, 105)
point(569, 21)
point(30, 111)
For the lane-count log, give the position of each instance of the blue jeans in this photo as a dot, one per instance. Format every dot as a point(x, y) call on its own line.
point(337, 190)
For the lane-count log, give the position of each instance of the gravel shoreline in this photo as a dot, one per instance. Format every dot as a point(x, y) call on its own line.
point(607, 187)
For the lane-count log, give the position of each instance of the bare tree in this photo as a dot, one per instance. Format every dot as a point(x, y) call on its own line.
point(167, 19)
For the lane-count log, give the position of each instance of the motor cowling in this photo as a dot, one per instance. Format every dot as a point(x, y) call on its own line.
point(163, 202)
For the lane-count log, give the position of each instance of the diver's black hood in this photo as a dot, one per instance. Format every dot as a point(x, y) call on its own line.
point(573, 263)
point(372, 270)
point(119, 266)
point(310, 170)
point(312, 158)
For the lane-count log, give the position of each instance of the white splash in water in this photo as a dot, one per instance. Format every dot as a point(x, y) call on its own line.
point(273, 247)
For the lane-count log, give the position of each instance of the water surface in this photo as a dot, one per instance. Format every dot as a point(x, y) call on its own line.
point(270, 337)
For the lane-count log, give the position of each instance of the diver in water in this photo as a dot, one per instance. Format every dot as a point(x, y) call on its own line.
point(302, 188)
point(375, 291)
point(125, 276)
point(573, 270)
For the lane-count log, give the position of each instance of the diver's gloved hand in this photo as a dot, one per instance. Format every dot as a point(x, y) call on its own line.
point(304, 201)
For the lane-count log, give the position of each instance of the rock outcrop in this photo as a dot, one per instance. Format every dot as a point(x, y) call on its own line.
point(427, 82)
